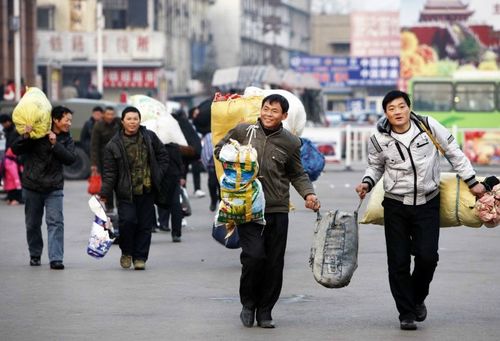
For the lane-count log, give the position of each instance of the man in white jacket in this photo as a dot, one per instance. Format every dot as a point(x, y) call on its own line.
point(404, 154)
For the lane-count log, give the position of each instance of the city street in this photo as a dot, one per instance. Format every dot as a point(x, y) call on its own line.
point(189, 290)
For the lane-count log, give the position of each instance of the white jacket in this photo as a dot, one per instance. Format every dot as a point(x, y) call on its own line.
point(411, 175)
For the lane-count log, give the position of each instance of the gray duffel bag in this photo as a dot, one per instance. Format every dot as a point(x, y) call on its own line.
point(334, 252)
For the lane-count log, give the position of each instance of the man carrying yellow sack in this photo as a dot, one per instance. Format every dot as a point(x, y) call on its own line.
point(404, 150)
point(43, 184)
point(263, 246)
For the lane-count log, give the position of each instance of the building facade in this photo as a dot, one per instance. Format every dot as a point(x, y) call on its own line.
point(259, 32)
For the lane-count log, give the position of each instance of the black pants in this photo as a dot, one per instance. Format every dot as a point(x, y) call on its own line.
point(136, 219)
point(196, 169)
point(411, 230)
point(174, 211)
point(262, 259)
point(213, 185)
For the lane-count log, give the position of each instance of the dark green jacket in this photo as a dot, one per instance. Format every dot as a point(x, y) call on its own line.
point(279, 164)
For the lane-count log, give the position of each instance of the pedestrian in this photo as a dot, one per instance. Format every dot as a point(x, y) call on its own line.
point(207, 158)
point(404, 154)
point(43, 184)
point(11, 165)
point(86, 134)
point(263, 248)
point(174, 210)
point(135, 161)
point(102, 132)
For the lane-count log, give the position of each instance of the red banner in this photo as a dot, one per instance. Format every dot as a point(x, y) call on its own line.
point(130, 78)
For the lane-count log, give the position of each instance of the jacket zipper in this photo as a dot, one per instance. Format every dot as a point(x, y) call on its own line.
point(400, 151)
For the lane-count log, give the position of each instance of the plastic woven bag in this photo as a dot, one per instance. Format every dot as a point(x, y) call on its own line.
point(33, 109)
point(334, 251)
point(102, 233)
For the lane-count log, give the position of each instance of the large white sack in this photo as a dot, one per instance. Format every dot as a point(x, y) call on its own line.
point(155, 117)
point(296, 120)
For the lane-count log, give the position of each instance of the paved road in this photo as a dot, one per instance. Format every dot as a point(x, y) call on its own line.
point(189, 290)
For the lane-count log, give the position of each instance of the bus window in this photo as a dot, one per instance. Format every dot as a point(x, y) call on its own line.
point(432, 96)
point(475, 96)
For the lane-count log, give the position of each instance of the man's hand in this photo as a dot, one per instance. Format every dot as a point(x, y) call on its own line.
point(52, 138)
point(478, 190)
point(362, 189)
point(312, 202)
point(27, 131)
point(93, 170)
point(182, 182)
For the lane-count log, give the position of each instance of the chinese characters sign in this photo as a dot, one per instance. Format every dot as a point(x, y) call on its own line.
point(375, 34)
point(130, 78)
point(349, 71)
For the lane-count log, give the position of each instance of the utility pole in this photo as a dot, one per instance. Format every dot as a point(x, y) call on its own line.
point(15, 26)
point(100, 26)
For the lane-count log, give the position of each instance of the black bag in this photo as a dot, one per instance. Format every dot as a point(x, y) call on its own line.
point(219, 233)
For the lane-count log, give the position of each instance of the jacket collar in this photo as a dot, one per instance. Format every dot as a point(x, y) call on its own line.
point(383, 125)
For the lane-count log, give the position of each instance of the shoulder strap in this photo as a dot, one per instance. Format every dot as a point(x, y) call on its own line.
point(426, 128)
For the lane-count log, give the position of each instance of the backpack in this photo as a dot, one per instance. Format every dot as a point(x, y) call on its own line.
point(334, 252)
point(312, 159)
point(170, 180)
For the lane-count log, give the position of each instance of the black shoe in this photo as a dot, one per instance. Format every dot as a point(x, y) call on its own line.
point(35, 261)
point(266, 324)
point(421, 311)
point(57, 265)
point(212, 207)
point(408, 324)
point(153, 230)
point(164, 228)
point(176, 239)
point(247, 317)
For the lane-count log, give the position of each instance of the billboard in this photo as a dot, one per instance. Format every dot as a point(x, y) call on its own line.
point(349, 71)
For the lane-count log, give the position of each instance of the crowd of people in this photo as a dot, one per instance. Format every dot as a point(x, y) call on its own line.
point(138, 172)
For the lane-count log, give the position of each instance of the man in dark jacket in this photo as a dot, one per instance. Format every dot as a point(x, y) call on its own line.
point(102, 132)
point(135, 161)
point(263, 249)
point(86, 133)
point(43, 184)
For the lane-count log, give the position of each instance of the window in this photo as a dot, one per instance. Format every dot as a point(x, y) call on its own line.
point(120, 14)
point(45, 18)
point(475, 96)
point(432, 96)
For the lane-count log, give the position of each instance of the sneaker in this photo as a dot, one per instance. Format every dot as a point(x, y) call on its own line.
point(139, 264)
point(176, 239)
point(408, 324)
point(35, 261)
point(266, 324)
point(199, 193)
point(57, 265)
point(421, 312)
point(126, 261)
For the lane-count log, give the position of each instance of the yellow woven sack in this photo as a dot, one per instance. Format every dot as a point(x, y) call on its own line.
point(33, 109)
point(456, 204)
point(225, 115)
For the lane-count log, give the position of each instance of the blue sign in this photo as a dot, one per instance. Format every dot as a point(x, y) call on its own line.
point(349, 71)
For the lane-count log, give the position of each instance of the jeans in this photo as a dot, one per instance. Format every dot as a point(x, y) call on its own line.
point(35, 202)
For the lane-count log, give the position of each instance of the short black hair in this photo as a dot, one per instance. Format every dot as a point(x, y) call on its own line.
point(273, 98)
point(109, 108)
point(130, 109)
point(97, 108)
point(5, 118)
point(59, 111)
point(392, 95)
